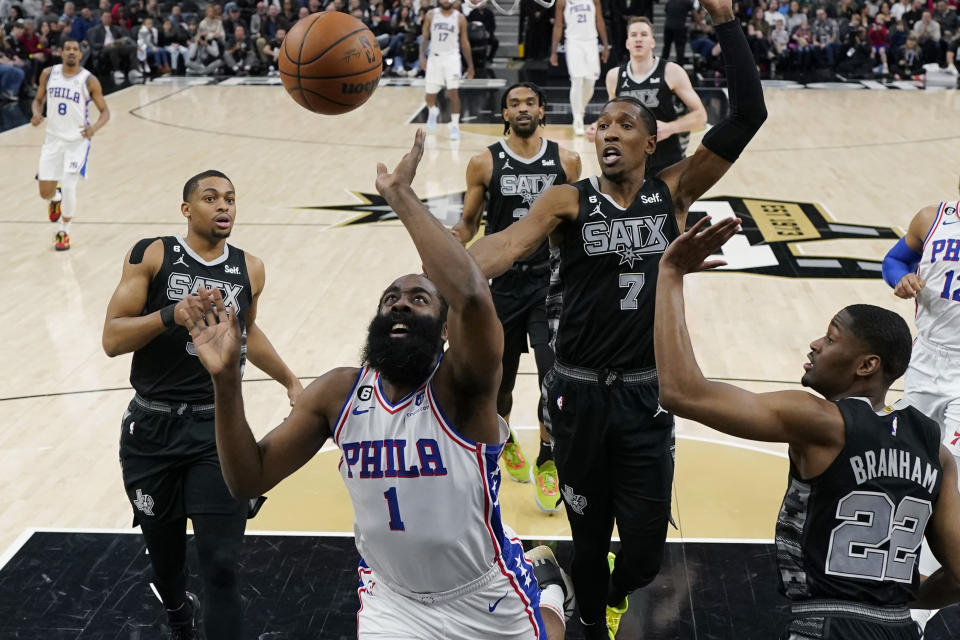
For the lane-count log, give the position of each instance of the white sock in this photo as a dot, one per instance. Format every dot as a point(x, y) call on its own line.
point(552, 598)
point(68, 188)
point(57, 196)
point(433, 112)
point(576, 98)
point(65, 225)
point(455, 119)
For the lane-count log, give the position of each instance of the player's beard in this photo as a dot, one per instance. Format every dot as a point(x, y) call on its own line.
point(526, 129)
point(407, 360)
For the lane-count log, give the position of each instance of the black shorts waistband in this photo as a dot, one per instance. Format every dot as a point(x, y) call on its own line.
point(606, 376)
point(155, 406)
point(847, 609)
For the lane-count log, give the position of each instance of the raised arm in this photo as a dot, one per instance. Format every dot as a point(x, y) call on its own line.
point(472, 363)
point(479, 170)
point(557, 31)
point(796, 417)
point(943, 587)
point(601, 31)
point(260, 351)
point(497, 252)
point(96, 94)
point(696, 118)
point(465, 46)
point(722, 145)
point(37, 105)
point(899, 266)
point(610, 81)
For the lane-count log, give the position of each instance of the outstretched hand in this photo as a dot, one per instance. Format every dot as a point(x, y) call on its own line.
point(215, 331)
point(405, 170)
point(689, 252)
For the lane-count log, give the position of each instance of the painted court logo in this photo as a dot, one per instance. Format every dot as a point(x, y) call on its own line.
point(777, 237)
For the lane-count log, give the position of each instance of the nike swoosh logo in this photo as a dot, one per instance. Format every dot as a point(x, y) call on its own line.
point(494, 605)
point(950, 221)
point(357, 412)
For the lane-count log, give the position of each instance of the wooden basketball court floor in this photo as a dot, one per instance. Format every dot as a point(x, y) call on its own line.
point(863, 157)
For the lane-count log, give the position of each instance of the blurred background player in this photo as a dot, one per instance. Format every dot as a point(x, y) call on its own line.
point(925, 265)
point(580, 21)
point(509, 175)
point(867, 480)
point(167, 450)
point(67, 89)
point(664, 88)
point(445, 37)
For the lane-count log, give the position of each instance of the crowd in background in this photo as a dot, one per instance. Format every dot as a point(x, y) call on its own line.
point(152, 37)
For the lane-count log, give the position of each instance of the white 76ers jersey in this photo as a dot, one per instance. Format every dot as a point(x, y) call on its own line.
point(67, 103)
point(426, 512)
point(938, 303)
point(580, 20)
point(445, 32)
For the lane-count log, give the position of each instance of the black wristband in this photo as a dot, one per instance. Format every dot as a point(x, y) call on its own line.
point(166, 315)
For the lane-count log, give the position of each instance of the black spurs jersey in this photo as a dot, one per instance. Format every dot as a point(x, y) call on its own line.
point(654, 93)
point(167, 368)
point(514, 184)
point(854, 532)
point(604, 277)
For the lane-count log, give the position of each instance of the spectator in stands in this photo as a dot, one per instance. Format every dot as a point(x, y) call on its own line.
point(258, 18)
point(801, 42)
point(884, 11)
point(899, 8)
point(81, 24)
point(273, 22)
point(174, 39)
point(232, 11)
point(703, 42)
point(852, 24)
point(951, 55)
point(69, 11)
point(879, 37)
point(32, 8)
point(845, 9)
point(909, 60)
point(49, 39)
point(485, 15)
point(927, 33)
point(675, 28)
point(914, 14)
point(270, 47)
point(946, 16)
point(780, 42)
point(12, 73)
point(112, 47)
point(290, 13)
point(757, 31)
point(538, 24)
point(103, 6)
point(176, 16)
point(120, 17)
point(304, 12)
point(855, 60)
point(212, 25)
point(795, 16)
point(825, 43)
point(149, 48)
point(898, 38)
point(772, 13)
point(34, 50)
point(205, 56)
point(240, 55)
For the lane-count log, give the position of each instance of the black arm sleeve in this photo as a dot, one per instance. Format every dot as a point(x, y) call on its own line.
point(747, 110)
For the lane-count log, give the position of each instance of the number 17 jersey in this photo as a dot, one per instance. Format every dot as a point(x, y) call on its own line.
point(853, 533)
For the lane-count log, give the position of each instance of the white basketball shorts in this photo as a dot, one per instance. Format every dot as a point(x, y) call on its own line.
point(443, 70)
point(58, 157)
point(583, 58)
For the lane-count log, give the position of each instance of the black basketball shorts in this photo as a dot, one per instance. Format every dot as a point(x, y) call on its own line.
point(858, 622)
point(168, 456)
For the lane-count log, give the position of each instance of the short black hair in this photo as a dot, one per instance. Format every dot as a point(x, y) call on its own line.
point(69, 39)
point(194, 182)
point(884, 333)
point(646, 115)
point(541, 98)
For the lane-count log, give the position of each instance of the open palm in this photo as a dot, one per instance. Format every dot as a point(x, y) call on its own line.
point(215, 332)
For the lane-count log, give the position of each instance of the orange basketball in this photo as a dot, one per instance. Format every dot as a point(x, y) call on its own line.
point(330, 62)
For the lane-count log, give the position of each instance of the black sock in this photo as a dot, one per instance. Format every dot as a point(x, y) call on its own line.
point(546, 453)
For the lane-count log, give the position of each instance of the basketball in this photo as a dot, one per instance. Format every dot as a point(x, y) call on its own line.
point(330, 63)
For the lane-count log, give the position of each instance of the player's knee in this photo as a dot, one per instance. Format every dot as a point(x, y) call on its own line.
point(219, 567)
point(47, 190)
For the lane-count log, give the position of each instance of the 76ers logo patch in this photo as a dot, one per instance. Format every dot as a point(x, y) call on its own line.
point(560, 403)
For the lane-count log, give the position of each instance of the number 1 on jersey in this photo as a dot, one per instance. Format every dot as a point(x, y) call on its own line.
point(396, 524)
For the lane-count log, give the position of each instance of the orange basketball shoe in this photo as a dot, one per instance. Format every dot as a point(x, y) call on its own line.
point(61, 241)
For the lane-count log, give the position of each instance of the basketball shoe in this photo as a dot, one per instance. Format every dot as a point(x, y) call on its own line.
point(615, 613)
point(547, 571)
point(454, 132)
point(547, 496)
point(61, 241)
point(433, 114)
point(578, 128)
point(54, 208)
point(186, 629)
point(517, 465)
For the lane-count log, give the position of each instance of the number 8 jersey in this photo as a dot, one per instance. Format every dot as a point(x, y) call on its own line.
point(854, 532)
point(68, 103)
